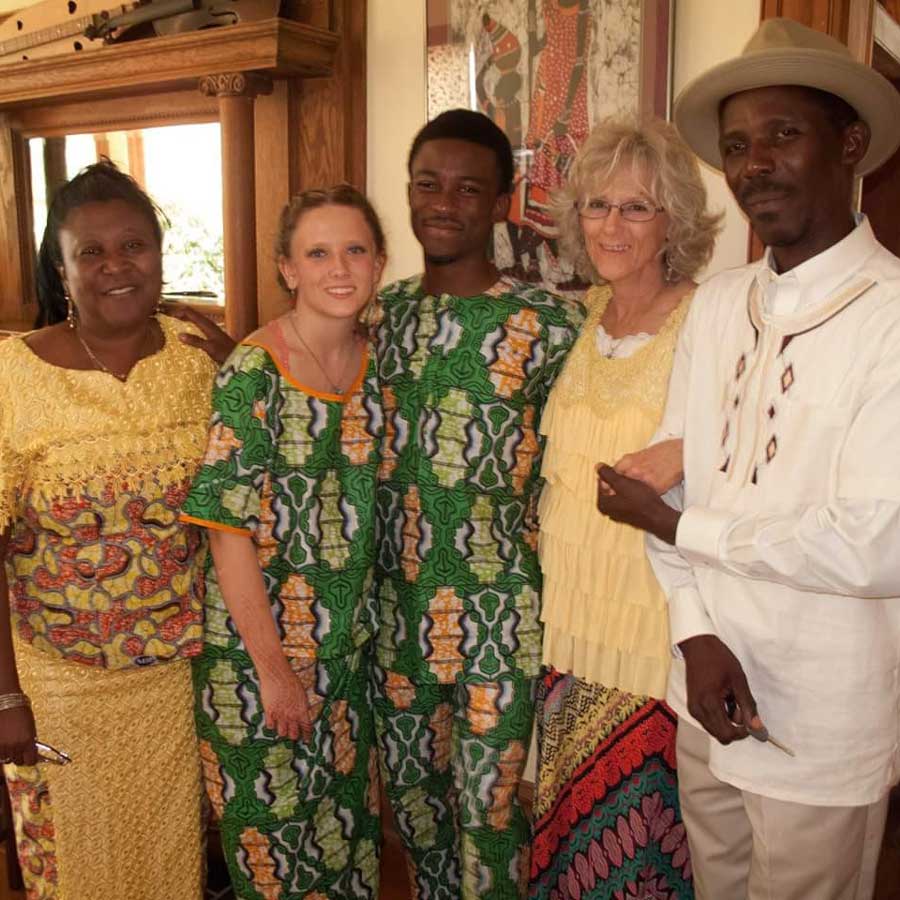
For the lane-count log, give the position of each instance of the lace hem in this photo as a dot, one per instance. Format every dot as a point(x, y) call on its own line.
point(601, 664)
point(170, 462)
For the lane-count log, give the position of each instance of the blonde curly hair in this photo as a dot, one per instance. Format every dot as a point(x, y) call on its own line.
point(651, 150)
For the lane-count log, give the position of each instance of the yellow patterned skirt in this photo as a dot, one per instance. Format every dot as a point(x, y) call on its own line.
point(122, 821)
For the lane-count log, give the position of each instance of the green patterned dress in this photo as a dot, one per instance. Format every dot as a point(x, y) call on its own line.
point(295, 470)
point(464, 381)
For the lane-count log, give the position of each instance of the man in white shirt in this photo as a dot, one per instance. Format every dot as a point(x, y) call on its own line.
point(783, 569)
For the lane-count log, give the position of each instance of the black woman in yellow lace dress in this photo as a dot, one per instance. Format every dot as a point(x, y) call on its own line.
point(103, 418)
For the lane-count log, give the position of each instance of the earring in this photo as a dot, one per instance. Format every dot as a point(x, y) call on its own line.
point(71, 314)
point(669, 272)
point(159, 307)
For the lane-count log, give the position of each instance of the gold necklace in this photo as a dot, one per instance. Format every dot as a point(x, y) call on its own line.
point(99, 364)
point(335, 388)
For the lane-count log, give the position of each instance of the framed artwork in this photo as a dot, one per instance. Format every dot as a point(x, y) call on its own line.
point(546, 71)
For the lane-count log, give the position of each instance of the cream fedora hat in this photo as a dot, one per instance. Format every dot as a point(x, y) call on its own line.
point(784, 52)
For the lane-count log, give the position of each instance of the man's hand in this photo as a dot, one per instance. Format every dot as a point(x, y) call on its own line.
point(216, 343)
point(631, 501)
point(659, 465)
point(719, 697)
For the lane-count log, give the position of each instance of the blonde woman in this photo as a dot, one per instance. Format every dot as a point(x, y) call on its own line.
point(287, 494)
point(633, 218)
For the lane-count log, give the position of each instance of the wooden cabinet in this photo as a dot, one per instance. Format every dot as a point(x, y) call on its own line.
point(881, 189)
point(290, 99)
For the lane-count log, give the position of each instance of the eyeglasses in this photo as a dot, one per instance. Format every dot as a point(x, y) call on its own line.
point(46, 753)
point(51, 754)
point(632, 211)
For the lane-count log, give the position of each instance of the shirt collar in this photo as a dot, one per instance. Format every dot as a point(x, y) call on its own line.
point(828, 269)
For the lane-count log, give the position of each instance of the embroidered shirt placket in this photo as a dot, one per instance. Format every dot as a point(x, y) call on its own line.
point(770, 344)
point(775, 339)
point(771, 339)
point(747, 433)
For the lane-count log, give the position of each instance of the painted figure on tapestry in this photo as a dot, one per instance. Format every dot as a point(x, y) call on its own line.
point(558, 117)
point(544, 70)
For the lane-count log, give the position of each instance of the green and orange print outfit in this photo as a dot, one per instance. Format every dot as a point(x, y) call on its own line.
point(464, 381)
point(294, 470)
point(106, 593)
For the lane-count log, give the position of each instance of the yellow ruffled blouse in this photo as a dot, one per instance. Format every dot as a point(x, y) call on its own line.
point(93, 472)
point(605, 616)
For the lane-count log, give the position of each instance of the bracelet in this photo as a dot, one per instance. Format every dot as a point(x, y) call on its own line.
point(13, 701)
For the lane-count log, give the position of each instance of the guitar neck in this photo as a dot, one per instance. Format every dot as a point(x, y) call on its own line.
point(66, 29)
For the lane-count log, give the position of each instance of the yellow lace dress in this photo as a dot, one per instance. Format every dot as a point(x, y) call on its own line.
point(605, 616)
point(106, 598)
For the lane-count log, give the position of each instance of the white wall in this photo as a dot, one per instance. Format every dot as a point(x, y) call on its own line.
point(397, 107)
point(708, 32)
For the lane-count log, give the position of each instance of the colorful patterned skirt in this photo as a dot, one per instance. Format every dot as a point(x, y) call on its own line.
point(298, 819)
point(607, 819)
point(123, 818)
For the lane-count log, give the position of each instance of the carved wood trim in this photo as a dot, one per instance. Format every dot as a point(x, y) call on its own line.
point(235, 84)
point(331, 113)
point(272, 45)
point(275, 183)
point(115, 114)
point(318, 63)
point(350, 75)
point(239, 212)
point(313, 12)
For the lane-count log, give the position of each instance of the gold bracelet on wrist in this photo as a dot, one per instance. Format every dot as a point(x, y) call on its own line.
point(13, 701)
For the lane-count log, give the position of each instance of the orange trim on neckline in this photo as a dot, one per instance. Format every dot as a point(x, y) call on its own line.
point(214, 526)
point(306, 389)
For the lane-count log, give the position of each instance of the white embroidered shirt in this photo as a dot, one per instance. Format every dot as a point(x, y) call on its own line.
point(786, 389)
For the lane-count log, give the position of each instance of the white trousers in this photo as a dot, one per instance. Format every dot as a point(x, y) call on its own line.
point(748, 847)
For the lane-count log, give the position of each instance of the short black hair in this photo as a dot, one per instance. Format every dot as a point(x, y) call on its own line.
point(474, 127)
point(100, 182)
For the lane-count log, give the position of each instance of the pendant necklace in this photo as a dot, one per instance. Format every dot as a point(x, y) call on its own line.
point(335, 388)
point(99, 364)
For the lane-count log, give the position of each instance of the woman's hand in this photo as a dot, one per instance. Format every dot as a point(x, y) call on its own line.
point(285, 700)
point(216, 343)
point(286, 706)
point(661, 466)
point(17, 735)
